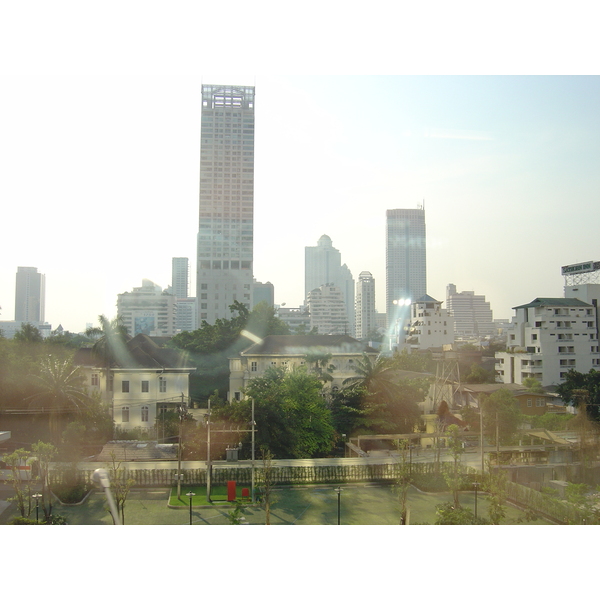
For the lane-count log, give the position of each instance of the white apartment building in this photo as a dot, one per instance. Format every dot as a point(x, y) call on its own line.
point(180, 277)
point(472, 313)
point(430, 325)
point(550, 336)
point(147, 309)
point(226, 215)
point(295, 317)
point(328, 310)
point(323, 266)
point(365, 305)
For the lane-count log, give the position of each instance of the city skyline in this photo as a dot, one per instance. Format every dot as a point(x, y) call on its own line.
point(101, 176)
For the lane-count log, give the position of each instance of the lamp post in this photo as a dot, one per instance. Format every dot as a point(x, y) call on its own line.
point(37, 506)
point(339, 494)
point(476, 484)
point(190, 495)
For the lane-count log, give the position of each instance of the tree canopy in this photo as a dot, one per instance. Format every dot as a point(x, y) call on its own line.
point(575, 381)
point(292, 417)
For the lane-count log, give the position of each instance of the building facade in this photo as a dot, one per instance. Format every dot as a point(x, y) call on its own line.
point(366, 320)
point(226, 219)
point(146, 380)
point(549, 337)
point(472, 313)
point(180, 277)
point(327, 310)
point(263, 292)
point(293, 352)
point(149, 310)
point(430, 325)
point(30, 295)
point(323, 266)
point(406, 267)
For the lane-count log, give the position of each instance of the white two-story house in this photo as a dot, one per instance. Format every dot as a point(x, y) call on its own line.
point(146, 379)
point(295, 351)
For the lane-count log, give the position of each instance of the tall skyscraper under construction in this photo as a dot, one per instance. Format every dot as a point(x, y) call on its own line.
point(226, 223)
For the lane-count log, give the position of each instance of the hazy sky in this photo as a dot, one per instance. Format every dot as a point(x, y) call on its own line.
point(99, 142)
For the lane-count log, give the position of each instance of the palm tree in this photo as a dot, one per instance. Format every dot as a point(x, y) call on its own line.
point(322, 369)
point(389, 405)
point(62, 388)
point(110, 345)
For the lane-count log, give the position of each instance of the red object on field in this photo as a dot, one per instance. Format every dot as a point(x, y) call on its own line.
point(245, 492)
point(231, 493)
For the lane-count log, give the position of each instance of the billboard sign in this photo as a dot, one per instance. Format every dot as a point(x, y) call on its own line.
point(586, 267)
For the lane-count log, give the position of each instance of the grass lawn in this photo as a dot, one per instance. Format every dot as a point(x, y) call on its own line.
point(360, 505)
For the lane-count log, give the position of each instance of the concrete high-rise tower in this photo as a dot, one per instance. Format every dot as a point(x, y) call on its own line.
point(323, 266)
point(365, 305)
point(180, 277)
point(406, 260)
point(30, 296)
point(226, 224)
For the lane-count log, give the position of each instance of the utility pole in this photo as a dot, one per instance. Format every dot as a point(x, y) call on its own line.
point(179, 475)
point(208, 463)
point(253, 493)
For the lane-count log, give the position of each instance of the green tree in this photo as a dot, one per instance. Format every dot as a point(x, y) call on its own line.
point(292, 417)
point(22, 488)
point(44, 454)
point(110, 339)
point(28, 333)
point(449, 514)
point(61, 388)
point(575, 381)
point(454, 479)
point(501, 416)
point(533, 384)
point(389, 404)
point(266, 477)
point(495, 486)
point(419, 362)
point(479, 375)
point(120, 485)
point(319, 365)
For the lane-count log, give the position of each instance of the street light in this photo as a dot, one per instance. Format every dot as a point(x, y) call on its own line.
point(339, 492)
point(190, 495)
point(476, 484)
point(37, 506)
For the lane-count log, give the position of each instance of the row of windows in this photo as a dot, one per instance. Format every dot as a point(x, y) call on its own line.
point(145, 410)
point(145, 387)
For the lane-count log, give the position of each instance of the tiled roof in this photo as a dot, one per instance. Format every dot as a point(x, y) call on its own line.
point(306, 344)
point(142, 352)
point(571, 302)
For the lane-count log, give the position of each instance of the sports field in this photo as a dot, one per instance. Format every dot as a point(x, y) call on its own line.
point(314, 505)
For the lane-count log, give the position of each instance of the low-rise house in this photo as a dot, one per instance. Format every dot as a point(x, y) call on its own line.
point(145, 380)
point(294, 351)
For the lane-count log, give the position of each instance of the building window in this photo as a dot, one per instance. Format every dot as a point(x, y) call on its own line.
point(125, 387)
point(145, 387)
point(529, 403)
point(145, 413)
point(125, 414)
point(540, 402)
point(254, 366)
point(95, 380)
point(237, 396)
point(162, 384)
